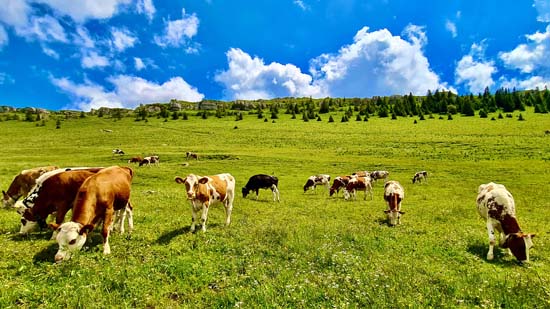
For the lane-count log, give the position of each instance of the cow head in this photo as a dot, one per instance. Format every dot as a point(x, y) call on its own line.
point(519, 244)
point(190, 181)
point(28, 222)
point(71, 236)
point(8, 200)
point(245, 192)
point(309, 184)
point(394, 216)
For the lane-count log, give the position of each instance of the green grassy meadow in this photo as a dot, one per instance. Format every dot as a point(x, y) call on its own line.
point(309, 250)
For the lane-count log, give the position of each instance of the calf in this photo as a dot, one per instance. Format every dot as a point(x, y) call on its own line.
point(420, 176)
point(203, 191)
point(118, 152)
point(357, 183)
point(339, 183)
point(23, 183)
point(313, 181)
point(261, 181)
point(54, 192)
point(99, 197)
point(376, 175)
point(136, 159)
point(496, 205)
point(191, 155)
point(147, 161)
point(393, 195)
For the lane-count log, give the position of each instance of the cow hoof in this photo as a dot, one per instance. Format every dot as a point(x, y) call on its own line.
point(490, 257)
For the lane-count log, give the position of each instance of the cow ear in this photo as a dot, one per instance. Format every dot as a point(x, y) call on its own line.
point(402, 212)
point(178, 179)
point(54, 226)
point(203, 180)
point(4, 193)
point(86, 229)
point(386, 211)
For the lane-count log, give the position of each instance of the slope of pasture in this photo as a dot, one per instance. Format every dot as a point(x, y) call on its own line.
point(309, 250)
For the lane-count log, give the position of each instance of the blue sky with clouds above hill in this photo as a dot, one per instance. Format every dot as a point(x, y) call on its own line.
point(66, 54)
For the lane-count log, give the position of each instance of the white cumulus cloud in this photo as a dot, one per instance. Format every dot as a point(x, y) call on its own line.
point(43, 28)
point(475, 74)
point(377, 64)
point(543, 8)
point(122, 39)
point(250, 78)
point(530, 56)
point(529, 83)
point(451, 27)
point(83, 10)
point(138, 64)
point(146, 7)
point(92, 60)
point(128, 92)
point(178, 32)
point(15, 13)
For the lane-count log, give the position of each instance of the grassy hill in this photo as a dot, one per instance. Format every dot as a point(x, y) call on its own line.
point(309, 250)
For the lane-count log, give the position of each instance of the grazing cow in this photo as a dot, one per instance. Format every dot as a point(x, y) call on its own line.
point(54, 192)
point(203, 191)
point(136, 159)
point(313, 181)
point(420, 177)
point(339, 183)
point(358, 183)
point(191, 155)
point(23, 183)
point(147, 161)
point(496, 205)
point(118, 152)
point(393, 195)
point(376, 175)
point(261, 181)
point(99, 197)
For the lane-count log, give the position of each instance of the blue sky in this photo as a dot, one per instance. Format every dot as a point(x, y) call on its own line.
point(83, 54)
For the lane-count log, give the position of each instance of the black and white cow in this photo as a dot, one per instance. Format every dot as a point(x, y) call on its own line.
point(147, 161)
point(420, 177)
point(118, 152)
point(376, 175)
point(496, 205)
point(313, 181)
point(261, 181)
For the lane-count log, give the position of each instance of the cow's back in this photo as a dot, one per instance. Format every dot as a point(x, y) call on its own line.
point(494, 200)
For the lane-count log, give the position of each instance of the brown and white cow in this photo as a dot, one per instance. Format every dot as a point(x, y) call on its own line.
point(496, 205)
point(147, 161)
point(203, 191)
point(358, 183)
point(23, 183)
point(338, 183)
point(136, 159)
point(54, 192)
point(361, 173)
point(376, 175)
point(393, 195)
point(314, 181)
point(420, 177)
point(99, 197)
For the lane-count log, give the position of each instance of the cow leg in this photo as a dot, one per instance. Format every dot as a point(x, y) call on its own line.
point(106, 228)
point(276, 193)
point(193, 218)
point(204, 217)
point(130, 217)
point(491, 233)
point(257, 193)
point(228, 210)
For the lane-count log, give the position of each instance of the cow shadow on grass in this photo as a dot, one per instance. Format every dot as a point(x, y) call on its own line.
point(167, 237)
point(501, 256)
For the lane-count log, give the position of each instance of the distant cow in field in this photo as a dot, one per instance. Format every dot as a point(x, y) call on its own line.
point(99, 197)
point(23, 183)
point(339, 183)
point(136, 159)
point(314, 181)
point(358, 183)
point(191, 155)
point(203, 191)
point(54, 192)
point(147, 161)
point(261, 181)
point(118, 152)
point(393, 195)
point(496, 205)
point(420, 177)
point(377, 175)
